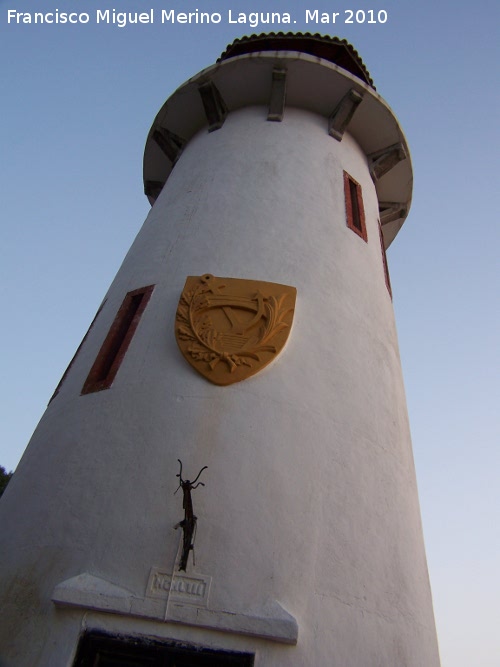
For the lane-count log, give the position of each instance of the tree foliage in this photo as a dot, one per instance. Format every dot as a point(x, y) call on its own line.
point(4, 479)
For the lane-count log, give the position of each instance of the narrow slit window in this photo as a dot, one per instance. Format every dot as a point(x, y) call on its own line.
point(70, 365)
point(355, 212)
point(115, 345)
point(384, 260)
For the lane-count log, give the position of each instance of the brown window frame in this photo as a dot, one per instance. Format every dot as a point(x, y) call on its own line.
point(117, 341)
point(384, 260)
point(70, 365)
point(354, 209)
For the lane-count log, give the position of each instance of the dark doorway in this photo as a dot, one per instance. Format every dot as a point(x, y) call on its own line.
point(100, 650)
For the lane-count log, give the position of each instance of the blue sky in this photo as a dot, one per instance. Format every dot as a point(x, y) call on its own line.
point(77, 103)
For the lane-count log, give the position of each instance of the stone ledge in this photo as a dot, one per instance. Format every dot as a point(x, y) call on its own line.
point(89, 592)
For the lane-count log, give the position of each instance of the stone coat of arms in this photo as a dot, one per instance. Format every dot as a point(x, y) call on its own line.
point(229, 329)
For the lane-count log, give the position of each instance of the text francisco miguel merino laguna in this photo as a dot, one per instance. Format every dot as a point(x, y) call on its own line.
point(253, 19)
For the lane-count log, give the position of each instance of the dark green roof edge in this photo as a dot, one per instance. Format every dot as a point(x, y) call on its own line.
point(333, 49)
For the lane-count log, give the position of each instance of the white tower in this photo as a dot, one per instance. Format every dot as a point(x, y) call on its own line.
point(279, 164)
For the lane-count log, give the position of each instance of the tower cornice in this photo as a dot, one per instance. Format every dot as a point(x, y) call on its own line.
point(312, 84)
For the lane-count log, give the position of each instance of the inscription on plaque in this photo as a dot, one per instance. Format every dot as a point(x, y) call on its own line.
point(193, 589)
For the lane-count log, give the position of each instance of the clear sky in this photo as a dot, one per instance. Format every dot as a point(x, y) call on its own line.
point(77, 103)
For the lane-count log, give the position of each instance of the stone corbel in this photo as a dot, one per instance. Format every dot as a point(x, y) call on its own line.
point(384, 160)
point(214, 105)
point(153, 188)
point(343, 113)
point(171, 144)
point(390, 211)
point(278, 95)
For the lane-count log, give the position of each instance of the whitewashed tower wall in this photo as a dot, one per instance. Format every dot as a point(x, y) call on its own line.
point(309, 549)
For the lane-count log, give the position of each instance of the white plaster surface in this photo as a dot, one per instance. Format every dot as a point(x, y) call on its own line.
point(310, 495)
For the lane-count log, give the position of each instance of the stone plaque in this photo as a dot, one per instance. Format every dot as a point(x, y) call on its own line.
point(193, 589)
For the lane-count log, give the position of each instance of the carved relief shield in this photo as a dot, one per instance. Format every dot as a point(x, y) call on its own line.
point(229, 329)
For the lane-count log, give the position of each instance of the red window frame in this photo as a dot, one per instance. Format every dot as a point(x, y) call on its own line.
point(120, 334)
point(355, 212)
point(384, 260)
point(70, 365)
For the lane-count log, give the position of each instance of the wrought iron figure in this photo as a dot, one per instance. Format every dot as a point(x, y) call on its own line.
point(188, 524)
